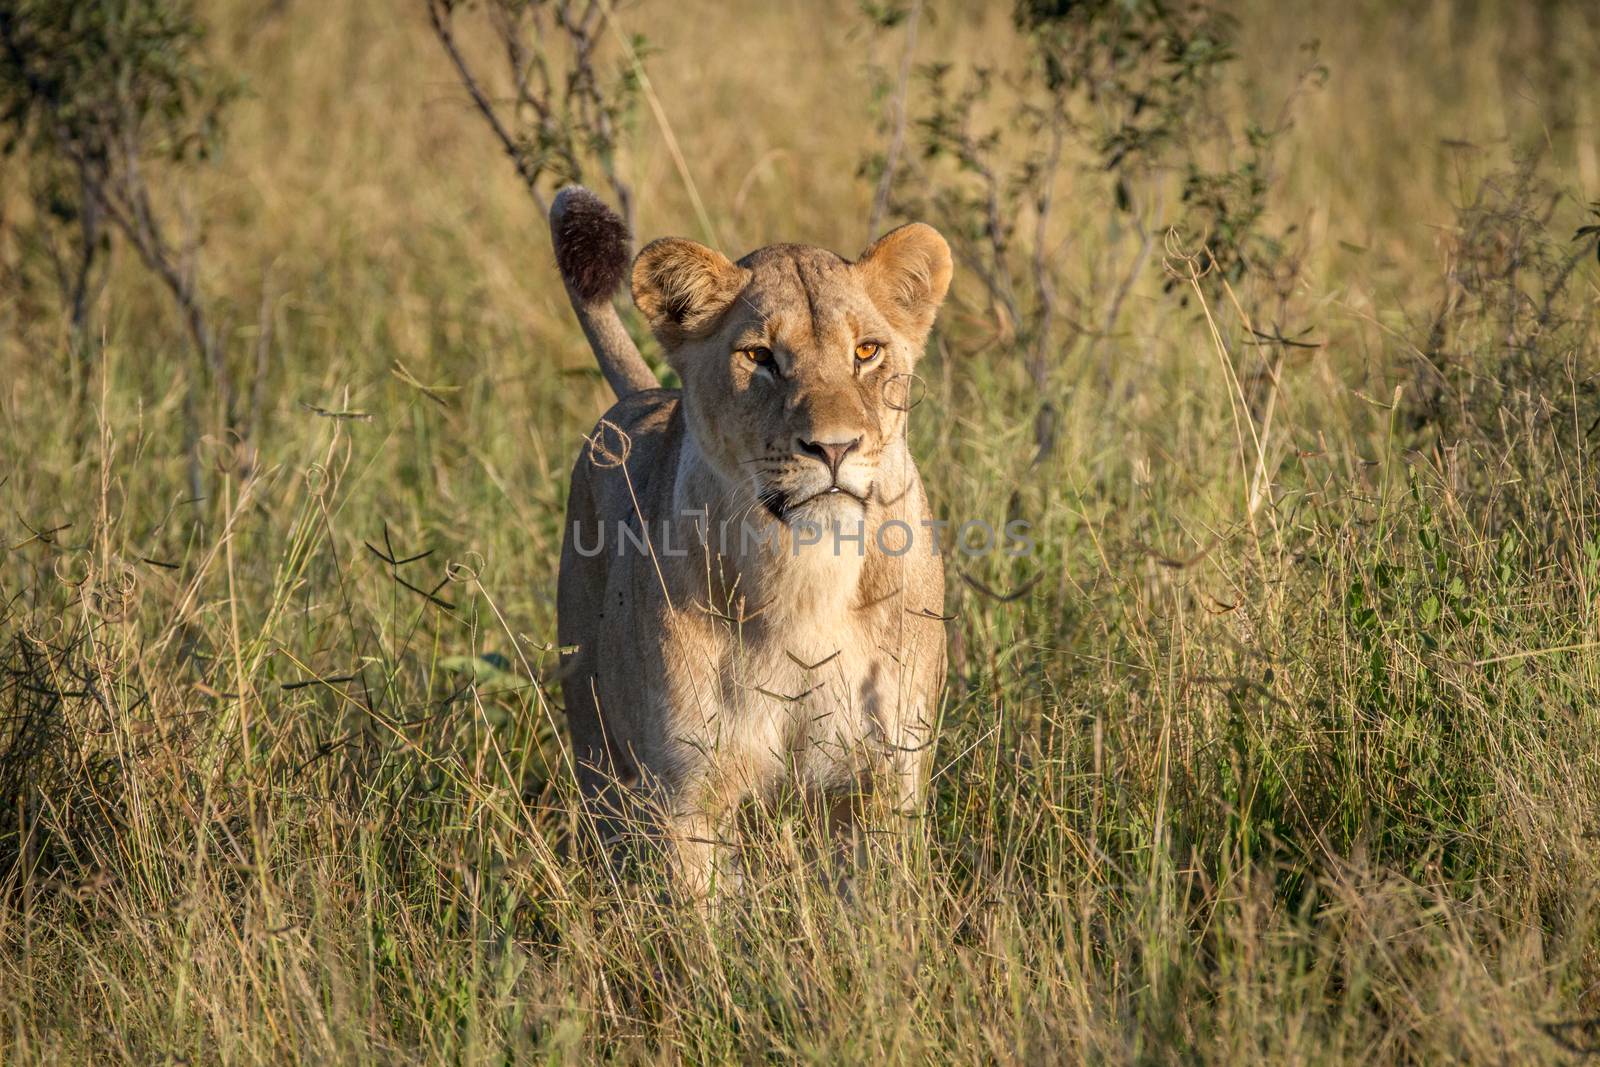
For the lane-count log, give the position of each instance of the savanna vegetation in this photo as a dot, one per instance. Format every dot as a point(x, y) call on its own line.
point(1277, 323)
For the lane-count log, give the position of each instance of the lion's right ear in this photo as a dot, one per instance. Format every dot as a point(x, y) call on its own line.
point(683, 288)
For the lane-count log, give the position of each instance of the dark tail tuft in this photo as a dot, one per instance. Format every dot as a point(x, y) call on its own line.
point(593, 251)
point(592, 245)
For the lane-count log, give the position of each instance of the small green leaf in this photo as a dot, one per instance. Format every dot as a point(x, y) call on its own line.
point(487, 672)
point(1429, 611)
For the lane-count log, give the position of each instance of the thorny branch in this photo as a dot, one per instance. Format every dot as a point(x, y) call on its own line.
point(558, 112)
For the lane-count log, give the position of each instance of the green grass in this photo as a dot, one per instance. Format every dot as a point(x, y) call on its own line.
point(1313, 782)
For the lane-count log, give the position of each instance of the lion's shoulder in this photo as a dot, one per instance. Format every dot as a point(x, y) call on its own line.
point(633, 444)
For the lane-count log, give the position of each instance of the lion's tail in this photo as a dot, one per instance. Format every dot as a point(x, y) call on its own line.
point(593, 251)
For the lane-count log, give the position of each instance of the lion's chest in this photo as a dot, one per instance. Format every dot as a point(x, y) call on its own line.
point(817, 703)
point(809, 687)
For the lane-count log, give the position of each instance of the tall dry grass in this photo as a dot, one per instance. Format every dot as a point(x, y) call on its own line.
point(1310, 781)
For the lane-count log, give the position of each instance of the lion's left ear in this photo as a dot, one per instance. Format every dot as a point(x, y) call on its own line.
point(906, 272)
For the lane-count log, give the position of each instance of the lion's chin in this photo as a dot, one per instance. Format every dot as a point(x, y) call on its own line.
point(834, 504)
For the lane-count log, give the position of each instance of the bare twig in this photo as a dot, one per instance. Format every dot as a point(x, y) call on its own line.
point(439, 14)
point(560, 112)
point(897, 137)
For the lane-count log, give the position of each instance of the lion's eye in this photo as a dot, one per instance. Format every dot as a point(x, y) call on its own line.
point(867, 351)
point(759, 355)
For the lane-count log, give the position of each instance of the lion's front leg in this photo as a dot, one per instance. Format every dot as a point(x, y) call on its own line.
point(698, 831)
point(908, 758)
point(906, 785)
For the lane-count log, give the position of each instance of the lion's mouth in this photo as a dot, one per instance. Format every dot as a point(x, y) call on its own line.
point(780, 505)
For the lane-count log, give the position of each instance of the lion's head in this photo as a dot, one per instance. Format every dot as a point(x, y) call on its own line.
point(796, 363)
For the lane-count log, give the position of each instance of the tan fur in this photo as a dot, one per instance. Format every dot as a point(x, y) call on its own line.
point(698, 679)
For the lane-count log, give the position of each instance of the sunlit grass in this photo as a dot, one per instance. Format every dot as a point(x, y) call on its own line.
point(1305, 777)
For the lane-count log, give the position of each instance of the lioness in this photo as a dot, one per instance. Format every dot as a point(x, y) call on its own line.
point(749, 592)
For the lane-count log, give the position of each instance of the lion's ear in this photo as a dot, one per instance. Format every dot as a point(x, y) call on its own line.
point(683, 288)
point(906, 272)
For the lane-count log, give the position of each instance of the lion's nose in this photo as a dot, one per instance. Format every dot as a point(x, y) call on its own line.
point(830, 452)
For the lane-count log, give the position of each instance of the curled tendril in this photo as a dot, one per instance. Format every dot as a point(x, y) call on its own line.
point(236, 455)
point(111, 603)
point(218, 450)
point(126, 583)
point(76, 583)
point(318, 480)
point(465, 570)
point(43, 631)
point(610, 446)
point(912, 390)
point(1195, 265)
